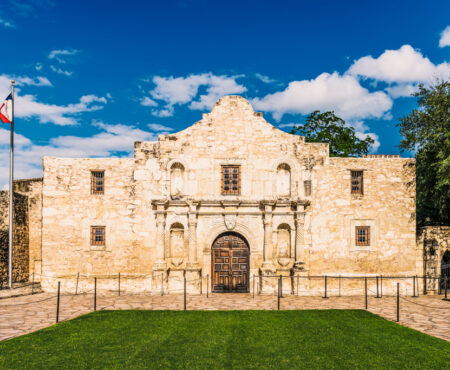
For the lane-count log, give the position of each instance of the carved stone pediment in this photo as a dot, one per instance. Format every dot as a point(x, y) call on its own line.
point(230, 221)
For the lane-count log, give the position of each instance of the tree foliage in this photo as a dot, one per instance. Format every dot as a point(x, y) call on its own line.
point(326, 127)
point(426, 131)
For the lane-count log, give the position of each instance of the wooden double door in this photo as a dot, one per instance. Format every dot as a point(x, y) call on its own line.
point(230, 263)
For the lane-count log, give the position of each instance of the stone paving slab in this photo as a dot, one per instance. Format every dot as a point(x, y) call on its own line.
point(22, 315)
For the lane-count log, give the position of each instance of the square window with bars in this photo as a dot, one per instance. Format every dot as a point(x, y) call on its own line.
point(362, 236)
point(357, 182)
point(231, 180)
point(97, 235)
point(97, 182)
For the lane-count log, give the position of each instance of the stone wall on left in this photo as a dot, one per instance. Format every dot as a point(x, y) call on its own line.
point(20, 238)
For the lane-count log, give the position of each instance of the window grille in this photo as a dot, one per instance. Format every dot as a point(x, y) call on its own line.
point(97, 182)
point(231, 180)
point(307, 185)
point(362, 236)
point(357, 182)
point(97, 235)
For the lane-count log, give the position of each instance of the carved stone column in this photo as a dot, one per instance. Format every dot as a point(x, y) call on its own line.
point(299, 237)
point(268, 237)
point(192, 230)
point(160, 262)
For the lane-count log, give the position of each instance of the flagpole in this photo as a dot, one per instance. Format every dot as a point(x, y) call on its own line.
point(11, 190)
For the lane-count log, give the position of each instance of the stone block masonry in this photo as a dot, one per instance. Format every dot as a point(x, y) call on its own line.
point(20, 238)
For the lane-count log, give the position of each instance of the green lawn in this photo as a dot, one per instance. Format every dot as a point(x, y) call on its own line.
point(231, 339)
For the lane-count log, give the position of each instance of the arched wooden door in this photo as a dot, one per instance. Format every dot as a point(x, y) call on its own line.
point(230, 263)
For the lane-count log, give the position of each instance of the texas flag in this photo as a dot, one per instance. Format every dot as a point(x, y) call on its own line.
point(6, 110)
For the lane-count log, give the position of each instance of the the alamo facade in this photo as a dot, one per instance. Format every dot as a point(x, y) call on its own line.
point(230, 197)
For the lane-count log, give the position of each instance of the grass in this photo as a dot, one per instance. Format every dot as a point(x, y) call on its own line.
point(307, 339)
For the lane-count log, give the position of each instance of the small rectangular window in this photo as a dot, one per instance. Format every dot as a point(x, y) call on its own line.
point(97, 182)
point(357, 182)
point(97, 235)
point(362, 236)
point(307, 185)
point(231, 180)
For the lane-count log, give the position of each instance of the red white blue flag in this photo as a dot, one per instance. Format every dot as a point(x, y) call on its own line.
point(6, 110)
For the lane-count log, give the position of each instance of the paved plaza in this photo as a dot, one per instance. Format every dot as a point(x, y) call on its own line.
point(22, 315)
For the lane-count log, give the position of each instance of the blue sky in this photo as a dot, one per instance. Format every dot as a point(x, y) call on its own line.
point(95, 76)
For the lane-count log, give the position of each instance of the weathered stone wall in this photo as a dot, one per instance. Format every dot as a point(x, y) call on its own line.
point(434, 241)
point(20, 238)
point(32, 188)
point(176, 181)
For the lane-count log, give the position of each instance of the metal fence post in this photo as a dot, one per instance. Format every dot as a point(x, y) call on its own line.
point(381, 286)
point(398, 302)
point(424, 284)
point(279, 292)
point(446, 288)
point(365, 290)
point(298, 283)
point(185, 292)
point(253, 286)
point(207, 285)
point(57, 302)
point(378, 289)
point(325, 282)
point(76, 287)
point(119, 283)
point(414, 287)
point(162, 284)
point(32, 285)
point(339, 285)
point(95, 294)
point(281, 286)
point(439, 285)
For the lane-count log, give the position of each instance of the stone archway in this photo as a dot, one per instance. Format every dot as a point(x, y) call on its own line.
point(230, 262)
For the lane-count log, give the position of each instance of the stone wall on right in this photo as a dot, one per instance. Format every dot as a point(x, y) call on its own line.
point(434, 241)
point(386, 208)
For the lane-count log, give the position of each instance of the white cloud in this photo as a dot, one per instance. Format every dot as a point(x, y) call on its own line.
point(60, 55)
point(60, 71)
point(182, 90)
point(112, 139)
point(286, 125)
point(38, 66)
point(156, 127)
point(405, 65)
point(445, 37)
point(6, 24)
point(37, 81)
point(147, 102)
point(399, 90)
point(265, 79)
point(27, 106)
point(343, 94)
point(361, 133)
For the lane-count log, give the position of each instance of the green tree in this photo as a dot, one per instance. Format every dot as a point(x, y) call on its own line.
point(326, 127)
point(426, 131)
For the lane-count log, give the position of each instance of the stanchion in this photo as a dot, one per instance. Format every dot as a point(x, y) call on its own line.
point(57, 302)
point(162, 284)
point(417, 286)
point(207, 286)
point(185, 292)
point(119, 283)
point(414, 287)
point(279, 292)
point(424, 284)
point(76, 287)
point(253, 286)
point(365, 290)
point(281, 286)
point(201, 286)
point(398, 302)
point(339, 285)
point(446, 288)
point(378, 293)
point(381, 286)
point(32, 285)
point(325, 282)
point(439, 285)
point(298, 280)
point(95, 294)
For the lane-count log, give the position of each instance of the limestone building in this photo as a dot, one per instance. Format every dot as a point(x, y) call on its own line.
point(230, 197)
